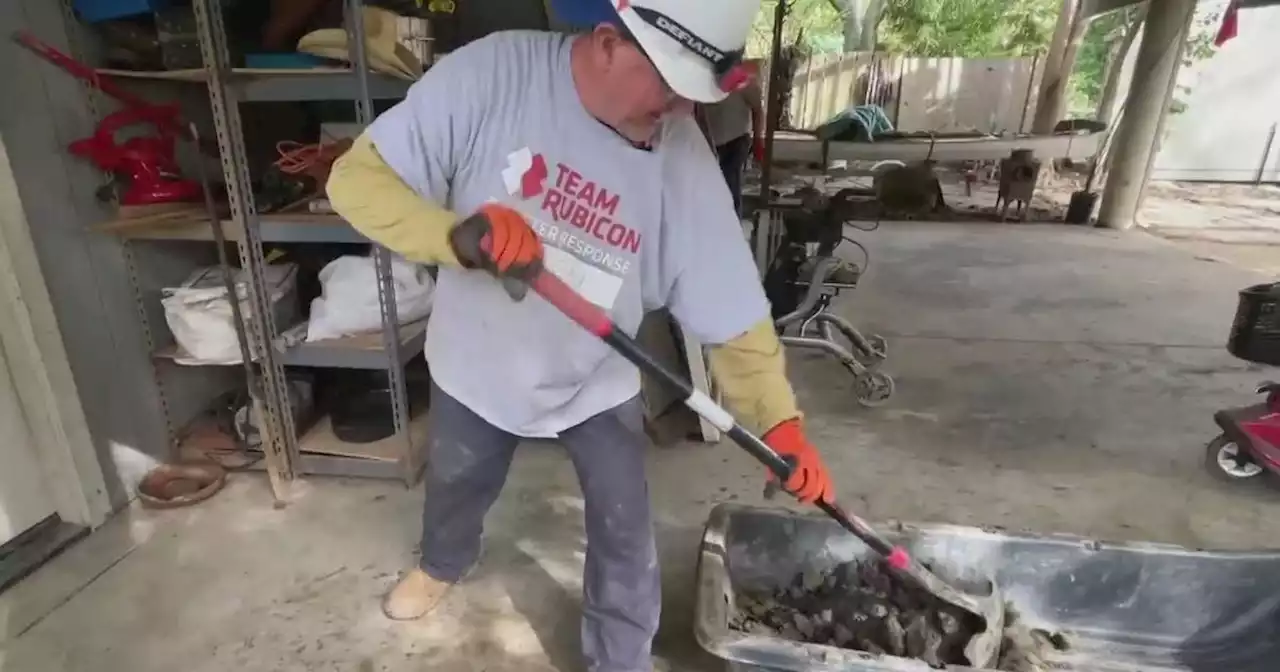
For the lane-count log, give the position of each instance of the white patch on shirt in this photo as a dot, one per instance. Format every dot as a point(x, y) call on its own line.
point(591, 283)
point(518, 163)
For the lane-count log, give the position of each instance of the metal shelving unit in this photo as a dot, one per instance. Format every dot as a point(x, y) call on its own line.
point(316, 451)
point(277, 85)
point(193, 224)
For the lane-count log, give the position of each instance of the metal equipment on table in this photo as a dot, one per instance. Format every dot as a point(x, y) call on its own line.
point(806, 275)
point(1122, 607)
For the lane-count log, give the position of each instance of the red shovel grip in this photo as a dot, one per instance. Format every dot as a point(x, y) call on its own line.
point(569, 302)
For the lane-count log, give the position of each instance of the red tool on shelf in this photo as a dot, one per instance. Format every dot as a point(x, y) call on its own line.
point(149, 163)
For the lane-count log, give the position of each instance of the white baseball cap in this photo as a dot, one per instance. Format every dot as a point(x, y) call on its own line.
point(696, 45)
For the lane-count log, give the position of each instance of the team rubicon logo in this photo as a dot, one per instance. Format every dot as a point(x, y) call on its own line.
point(526, 173)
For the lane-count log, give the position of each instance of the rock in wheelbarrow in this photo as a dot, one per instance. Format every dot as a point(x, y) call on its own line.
point(865, 606)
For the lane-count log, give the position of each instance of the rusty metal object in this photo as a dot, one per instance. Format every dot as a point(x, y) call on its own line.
point(912, 190)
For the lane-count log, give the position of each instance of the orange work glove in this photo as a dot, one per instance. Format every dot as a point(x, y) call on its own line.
point(809, 480)
point(498, 239)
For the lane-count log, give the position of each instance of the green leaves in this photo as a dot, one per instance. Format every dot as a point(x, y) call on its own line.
point(974, 28)
point(818, 23)
point(970, 28)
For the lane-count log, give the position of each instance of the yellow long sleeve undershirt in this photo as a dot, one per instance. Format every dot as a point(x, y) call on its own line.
point(376, 202)
point(370, 195)
point(752, 373)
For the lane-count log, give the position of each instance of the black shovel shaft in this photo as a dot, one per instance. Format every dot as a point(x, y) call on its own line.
point(859, 528)
point(591, 318)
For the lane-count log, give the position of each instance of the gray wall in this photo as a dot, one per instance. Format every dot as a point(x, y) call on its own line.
point(477, 18)
point(1233, 104)
point(41, 111)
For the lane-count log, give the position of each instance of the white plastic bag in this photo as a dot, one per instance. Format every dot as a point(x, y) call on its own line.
point(348, 301)
point(200, 317)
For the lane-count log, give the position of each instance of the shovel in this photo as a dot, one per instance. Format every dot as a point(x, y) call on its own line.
point(982, 650)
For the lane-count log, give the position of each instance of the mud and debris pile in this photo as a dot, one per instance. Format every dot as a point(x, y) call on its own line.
point(863, 606)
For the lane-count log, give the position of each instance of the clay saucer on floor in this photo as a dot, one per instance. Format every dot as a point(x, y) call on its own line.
point(170, 486)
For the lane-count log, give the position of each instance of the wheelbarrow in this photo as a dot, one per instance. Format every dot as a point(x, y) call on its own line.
point(1119, 607)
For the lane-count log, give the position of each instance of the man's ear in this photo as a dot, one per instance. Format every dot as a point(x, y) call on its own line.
point(609, 39)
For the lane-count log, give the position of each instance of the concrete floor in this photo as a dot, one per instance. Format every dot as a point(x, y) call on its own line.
point(1049, 378)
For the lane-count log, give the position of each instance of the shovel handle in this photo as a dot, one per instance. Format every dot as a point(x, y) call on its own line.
point(594, 320)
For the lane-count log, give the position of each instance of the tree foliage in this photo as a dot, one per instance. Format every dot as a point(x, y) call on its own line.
point(1104, 42)
point(972, 28)
point(1110, 31)
point(817, 24)
point(977, 28)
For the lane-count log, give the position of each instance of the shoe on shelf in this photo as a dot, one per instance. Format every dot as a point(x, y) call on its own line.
point(414, 596)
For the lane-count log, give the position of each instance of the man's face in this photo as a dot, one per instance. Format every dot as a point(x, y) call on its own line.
point(641, 95)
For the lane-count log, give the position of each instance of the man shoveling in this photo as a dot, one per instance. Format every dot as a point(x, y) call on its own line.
point(525, 150)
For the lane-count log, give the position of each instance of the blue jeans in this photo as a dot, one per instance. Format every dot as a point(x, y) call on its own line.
point(621, 590)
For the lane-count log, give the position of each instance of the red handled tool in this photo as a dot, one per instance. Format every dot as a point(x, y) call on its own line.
point(982, 649)
point(164, 117)
point(148, 162)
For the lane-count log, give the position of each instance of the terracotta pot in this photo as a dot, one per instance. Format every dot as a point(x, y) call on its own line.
point(170, 486)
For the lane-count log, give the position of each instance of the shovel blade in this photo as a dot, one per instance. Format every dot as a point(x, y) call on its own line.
point(981, 597)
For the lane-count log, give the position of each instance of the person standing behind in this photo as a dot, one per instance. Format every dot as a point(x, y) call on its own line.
point(735, 126)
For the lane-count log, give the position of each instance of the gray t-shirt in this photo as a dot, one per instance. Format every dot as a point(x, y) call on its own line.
point(728, 119)
point(632, 230)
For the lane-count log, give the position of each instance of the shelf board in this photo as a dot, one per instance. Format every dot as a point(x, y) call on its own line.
point(283, 84)
point(363, 351)
point(319, 440)
point(312, 464)
point(193, 224)
point(171, 352)
point(304, 228)
point(171, 221)
point(196, 75)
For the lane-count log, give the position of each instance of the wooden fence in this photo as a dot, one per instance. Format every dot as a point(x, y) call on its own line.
point(919, 94)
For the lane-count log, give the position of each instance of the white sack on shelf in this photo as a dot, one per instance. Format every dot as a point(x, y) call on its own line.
point(348, 301)
point(199, 314)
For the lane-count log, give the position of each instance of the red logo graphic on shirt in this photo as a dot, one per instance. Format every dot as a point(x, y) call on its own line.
point(590, 206)
point(571, 198)
point(526, 173)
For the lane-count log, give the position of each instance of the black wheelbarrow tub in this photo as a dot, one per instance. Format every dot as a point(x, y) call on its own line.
point(1123, 607)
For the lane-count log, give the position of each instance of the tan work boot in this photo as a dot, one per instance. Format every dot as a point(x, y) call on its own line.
point(414, 596)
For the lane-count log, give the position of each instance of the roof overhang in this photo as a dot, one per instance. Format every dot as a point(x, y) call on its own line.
point(1093, 7)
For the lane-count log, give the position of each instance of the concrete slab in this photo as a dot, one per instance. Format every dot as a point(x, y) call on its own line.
point(1049, 378)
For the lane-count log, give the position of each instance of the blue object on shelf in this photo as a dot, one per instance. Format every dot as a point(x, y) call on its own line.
point(284, 61)
point(95, 11)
